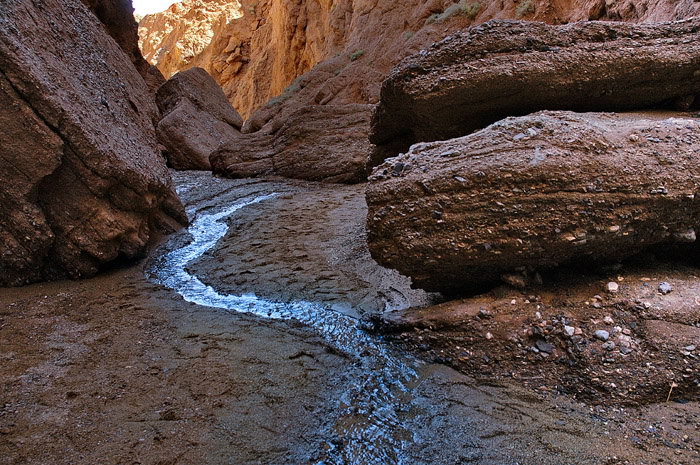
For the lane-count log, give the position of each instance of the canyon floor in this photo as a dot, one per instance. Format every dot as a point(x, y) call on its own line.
point(121, 369)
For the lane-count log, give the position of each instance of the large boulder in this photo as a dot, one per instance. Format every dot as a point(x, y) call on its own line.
point(317, 143)
point(196, 119)
point(81, 181)
point(509, 68)
point(533, 193)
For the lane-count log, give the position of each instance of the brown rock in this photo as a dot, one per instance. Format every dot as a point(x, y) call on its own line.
point(533, 193)
point(117, 16)
point(196, 119)
point(318, 143)
point(82, 183)
point(256, 49)
point(506, 68)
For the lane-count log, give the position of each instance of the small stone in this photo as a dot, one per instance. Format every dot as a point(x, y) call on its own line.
point(489, 336)
point(569, 330)
point(609, 345)
point(665, 288)
point(612, 287)
point(544, 346)
point(624, 350)
point(689, 348)
point(608, 320)
point(483, 313)
point(538, 315)
point(602, 335)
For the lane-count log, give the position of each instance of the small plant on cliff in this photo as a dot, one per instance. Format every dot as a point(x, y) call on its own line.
point(291, 89)
point(356, 55)
point(463, 8)
point(525, 8)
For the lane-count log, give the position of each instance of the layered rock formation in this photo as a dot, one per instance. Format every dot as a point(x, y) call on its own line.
point(478, 76)
point(117, 16)
point(318, 143)
point(82, 182)
point(174, 39)
point(255, 49)
point(308, 53)
point(532, 193)
point(196, 119)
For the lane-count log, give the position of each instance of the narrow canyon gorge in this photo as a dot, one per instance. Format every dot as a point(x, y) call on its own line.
point(350, 232)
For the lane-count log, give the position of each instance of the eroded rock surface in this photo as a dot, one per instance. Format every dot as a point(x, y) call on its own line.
point(506, 68)
point(196, 119)
point(317, 143)
point(82, 181)
point(117, 16)
point(255, 49)
point(533, 193)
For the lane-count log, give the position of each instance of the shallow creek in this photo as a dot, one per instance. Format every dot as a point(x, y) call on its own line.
point(396, 409)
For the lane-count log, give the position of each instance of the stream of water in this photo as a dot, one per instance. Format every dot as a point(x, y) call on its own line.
point(369, 429)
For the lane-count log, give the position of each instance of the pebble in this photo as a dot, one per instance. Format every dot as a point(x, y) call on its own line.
point(689, 348)
point(602, 335)
point(569, 330)
point(624, 350)
point(489, 336)
point(544, 346)
point(608, 320)
point(665, 288)
point(612, 287)
point(609, 345)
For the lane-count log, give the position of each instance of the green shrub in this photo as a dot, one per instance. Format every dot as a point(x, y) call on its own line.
point(287, 93)
point(463, 8)
point(356, 55)
point(525, 8)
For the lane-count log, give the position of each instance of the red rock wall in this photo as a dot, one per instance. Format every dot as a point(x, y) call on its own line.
point(256, 49)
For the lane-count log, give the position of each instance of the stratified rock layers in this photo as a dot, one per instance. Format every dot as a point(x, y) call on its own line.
point(117, 16)
point(196, 119)
point(317, 143)
point(533, 193)
point(256, 48)
point(82, 183)
point(506, 68)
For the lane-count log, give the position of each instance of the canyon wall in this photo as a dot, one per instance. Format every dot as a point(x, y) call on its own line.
point(117, 18)
point(256, 49)
point(82, 182)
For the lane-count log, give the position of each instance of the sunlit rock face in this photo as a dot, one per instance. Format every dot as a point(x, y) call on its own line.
point(256, 49)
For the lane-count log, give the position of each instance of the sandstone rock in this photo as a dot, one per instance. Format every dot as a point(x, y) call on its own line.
point(196, 119)
point(318, 143)
point(81, 180)
point(506, 68)
point(117, 16)
point(533, 193)
point(273, 58)
point(255, 49)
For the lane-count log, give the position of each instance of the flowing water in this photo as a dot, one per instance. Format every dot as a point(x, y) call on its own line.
point(394, 409)
point(369, 429)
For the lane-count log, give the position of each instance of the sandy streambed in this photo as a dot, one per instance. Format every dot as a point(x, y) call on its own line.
point(122, 369)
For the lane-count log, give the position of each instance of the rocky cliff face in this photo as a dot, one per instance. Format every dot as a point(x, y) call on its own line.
point(82, 183)
point(274, 58)
point(506, 68)
point(117, 17)
point(255, 49)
